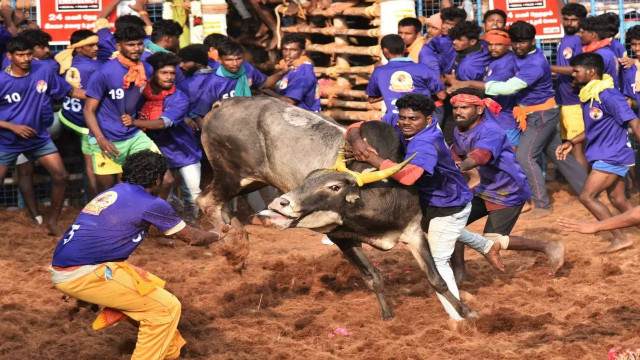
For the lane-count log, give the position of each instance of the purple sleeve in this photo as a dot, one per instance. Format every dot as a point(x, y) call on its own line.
point(434, 85)
point(427, 154)
point(615, 103)
point(373, 89)
point(429, 58)
point(106, 44)
point(58, 87)
point(629, 78)
point(206, 100)
point(96, 87)
point(161, 215)
point(469, 71)
point(5, 35)
point(176, 108)
point(491, 141)
point(258, 78)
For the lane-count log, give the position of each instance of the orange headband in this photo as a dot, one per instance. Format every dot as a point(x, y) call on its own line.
point(493, 106)
point(497, 37)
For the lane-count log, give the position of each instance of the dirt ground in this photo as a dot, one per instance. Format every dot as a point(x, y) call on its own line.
point(295, 291)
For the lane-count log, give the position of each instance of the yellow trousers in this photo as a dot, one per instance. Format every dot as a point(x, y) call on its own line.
point(157, 312)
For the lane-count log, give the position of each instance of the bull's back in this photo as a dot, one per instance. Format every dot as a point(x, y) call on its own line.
point(269, 140)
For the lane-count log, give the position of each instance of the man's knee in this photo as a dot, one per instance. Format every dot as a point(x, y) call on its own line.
point(60, 176)
point(586, 198)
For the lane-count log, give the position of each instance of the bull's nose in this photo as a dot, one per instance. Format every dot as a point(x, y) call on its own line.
point(284, 202)
point(279, 203)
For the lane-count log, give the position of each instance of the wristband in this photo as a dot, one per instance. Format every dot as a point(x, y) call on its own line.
point(143, 12)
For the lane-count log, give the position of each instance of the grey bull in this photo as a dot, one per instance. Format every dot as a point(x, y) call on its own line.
point(254, 142)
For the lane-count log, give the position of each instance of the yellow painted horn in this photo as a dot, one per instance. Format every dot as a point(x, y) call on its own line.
point(370, 177)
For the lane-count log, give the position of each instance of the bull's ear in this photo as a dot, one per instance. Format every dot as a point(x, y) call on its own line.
point(353, 195)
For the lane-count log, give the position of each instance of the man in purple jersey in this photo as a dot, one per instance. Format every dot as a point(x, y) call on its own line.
point(410, 30)
point(26, 89)
point(571, 122)
point(471, 57)
point(194, 65)
point(536, 113)
point(299, 86)
point(115, 90)
point(607, 117)
point(89, 262)
point(163, 115)
point(494, 19)
point(442, 46)
point(77, 71)
point(503, 190)
point(402, 76)
point(107, 43)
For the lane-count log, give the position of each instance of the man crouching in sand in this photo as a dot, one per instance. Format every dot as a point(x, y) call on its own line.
point(89, 261)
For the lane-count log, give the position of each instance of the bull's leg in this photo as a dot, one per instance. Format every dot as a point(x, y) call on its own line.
point(356, 256)
point(211, 205)
point(422, 253)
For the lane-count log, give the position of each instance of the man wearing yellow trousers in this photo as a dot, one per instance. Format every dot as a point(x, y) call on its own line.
point(89, 261)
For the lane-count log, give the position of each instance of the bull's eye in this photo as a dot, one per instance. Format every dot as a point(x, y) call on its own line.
point(334, 187)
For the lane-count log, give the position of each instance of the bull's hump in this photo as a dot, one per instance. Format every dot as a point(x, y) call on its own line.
point(298, 117)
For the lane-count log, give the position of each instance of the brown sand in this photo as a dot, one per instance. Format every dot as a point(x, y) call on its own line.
point(295, 291)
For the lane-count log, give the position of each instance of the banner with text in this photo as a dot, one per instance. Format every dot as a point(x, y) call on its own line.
point(60, 18)
point(543, 14)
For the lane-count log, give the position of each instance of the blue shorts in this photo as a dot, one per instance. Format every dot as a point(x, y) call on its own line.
point(514, 136)
point(9, 158)
point(611, 169)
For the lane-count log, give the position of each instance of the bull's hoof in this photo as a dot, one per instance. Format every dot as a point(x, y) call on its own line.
point(259, 220)
point(470, 314)
point(388, 315)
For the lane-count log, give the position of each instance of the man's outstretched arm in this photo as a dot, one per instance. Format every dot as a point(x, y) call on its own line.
point(627, 219)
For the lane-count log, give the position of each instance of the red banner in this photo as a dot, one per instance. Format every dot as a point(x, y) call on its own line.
point(543, 14)
point(60, 18)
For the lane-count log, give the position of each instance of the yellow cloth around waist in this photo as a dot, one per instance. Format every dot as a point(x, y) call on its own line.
point(520, 112)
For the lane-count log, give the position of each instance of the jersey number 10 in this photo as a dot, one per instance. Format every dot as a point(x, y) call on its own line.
point(15, 97)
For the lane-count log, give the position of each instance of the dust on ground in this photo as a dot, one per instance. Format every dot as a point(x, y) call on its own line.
point(295, 291)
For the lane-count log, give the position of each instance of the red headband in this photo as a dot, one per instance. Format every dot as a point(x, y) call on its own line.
point(497, 37)
point(493, 106)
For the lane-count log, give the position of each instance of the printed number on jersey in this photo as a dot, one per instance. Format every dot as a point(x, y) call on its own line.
point(71, 104)
point(116, 93)
point(12, 98)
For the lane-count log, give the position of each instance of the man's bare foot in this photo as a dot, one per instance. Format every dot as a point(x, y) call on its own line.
point(537, 213)
point(263, 30)
point(53, 228)
point(555, 255)
point(493, 257)
point(618, 244)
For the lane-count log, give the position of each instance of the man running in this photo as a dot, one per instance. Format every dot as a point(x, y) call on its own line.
point(607, 117)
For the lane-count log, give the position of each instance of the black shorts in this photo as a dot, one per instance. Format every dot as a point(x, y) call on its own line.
point(499, 221)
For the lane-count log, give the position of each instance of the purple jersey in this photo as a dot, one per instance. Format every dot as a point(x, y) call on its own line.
point(534, 70)
point(177, 142)
point(569, 47)
point(5, 35)
point(442, 46)
point(112, 226)
point(214, 65)
point(25, 101)
point(81, 70)
point(399, 78)
point(106, 85)
point(192, 87)
point(502, 69)
point(618, 49)
point(301, 84)
point(473, 65)
point(219, 87)
point(441, 184)
point(429, 58)
point(605, 127)
point(610, 64)
point(502, 181)
point(106, 44)
point(628, 84)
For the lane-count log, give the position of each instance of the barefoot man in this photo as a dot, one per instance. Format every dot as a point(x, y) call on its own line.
point(606, 119)
point(89, 262)
point(482, 144)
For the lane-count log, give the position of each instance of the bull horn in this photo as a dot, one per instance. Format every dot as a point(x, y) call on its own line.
point(367, 178)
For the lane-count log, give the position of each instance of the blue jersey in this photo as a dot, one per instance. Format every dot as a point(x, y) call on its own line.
point(610, 64)
point(25, 100)
point(441, 184)
point(219, 87)
point(428, 57)
point(193, 87)
point(78, 75)
point(107, 86)
point(534, 70)
point(442, 46)
point(214, 65)
point(569, 47)
point(106, 44)
point(401, 77)
point(112, 226)
point(605, 129)
point(501, 179)
point(177, 142)
point(502, 69)
point(301, 84)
